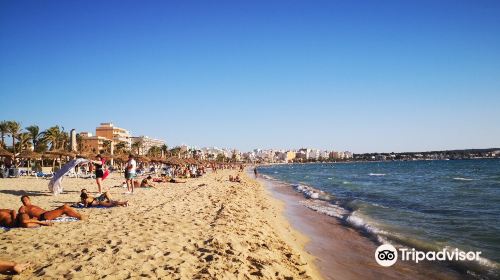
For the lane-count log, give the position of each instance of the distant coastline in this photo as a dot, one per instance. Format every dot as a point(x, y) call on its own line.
point(467, 154)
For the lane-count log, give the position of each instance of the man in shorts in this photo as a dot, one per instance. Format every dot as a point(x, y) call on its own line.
point(130, 174)
point(33, 211)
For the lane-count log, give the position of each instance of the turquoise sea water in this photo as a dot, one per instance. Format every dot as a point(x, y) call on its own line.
point(429, 205)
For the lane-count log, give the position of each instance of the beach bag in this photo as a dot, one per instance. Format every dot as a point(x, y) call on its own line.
point(106, 170)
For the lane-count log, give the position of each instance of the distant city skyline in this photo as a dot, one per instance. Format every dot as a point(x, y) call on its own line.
point(389, 76)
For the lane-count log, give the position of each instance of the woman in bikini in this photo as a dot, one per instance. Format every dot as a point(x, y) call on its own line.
point(103, 200)
point(99, 171)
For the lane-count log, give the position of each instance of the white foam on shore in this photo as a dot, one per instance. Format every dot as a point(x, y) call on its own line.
point(325, 208)
point(376, 174)
point(312, 193)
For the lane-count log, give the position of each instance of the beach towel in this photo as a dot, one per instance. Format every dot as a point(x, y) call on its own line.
point(64, 219)
point(55, 183)
point(80, 205)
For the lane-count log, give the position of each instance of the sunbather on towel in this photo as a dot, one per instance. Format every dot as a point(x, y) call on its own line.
point(7, 267)
point(10, 219)
point(103, 200)
point(40, 214)
point(175, 181)
point(146, 183)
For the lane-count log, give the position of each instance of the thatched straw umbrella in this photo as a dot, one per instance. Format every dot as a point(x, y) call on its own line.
point(86, 155)
point(107, 155)
point(142, 158)
point(174, 161)
point(57, 154)
point(5, 153)
point(29, 155)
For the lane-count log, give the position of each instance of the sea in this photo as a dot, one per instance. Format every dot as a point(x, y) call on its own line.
point(426, 205)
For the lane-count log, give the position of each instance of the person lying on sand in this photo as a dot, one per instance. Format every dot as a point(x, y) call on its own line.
point(234, 179)
point(175, 181)
point(103, 200)
point(123, 185)
point(7, 267)
point(10, 219)
point(147, 183)
point(237, 179)
point(40, 214)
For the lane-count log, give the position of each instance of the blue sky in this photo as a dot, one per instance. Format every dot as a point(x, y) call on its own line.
point(364, 76)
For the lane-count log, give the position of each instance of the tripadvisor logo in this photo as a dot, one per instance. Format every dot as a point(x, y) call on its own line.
point(387, 255)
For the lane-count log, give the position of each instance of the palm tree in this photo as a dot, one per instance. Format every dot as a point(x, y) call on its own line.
point(79, 142)
point(121, 147)
point(23, 141)
point(138, 145)
point(52, 135)
point(175, 151)
point(14, 128)
point(164, 149)
point(4, 129)
point(35, 135)
point(63, 139)
point(106, 145)
point(154, 151)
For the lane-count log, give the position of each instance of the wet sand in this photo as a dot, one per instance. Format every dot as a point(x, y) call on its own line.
point(343, 252)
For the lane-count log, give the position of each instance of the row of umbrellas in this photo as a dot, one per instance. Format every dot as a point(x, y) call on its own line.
point(34, 155)
point(120, 157)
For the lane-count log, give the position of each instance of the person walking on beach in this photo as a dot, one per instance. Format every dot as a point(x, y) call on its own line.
point(130, 170)
point(99, 171)
point(255, 172)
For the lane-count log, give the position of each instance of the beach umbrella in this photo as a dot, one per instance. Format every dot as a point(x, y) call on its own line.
point(5, 153)
point(29, 155)
point(49, 156)
point(86, 155)
point(173, 161)
point(55, 152)
point(122, 157)
point(107, 155)
point(142, 158)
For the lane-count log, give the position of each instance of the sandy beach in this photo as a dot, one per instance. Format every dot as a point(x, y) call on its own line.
point(207, 228)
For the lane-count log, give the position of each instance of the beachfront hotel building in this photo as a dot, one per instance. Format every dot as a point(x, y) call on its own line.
point(147, 143)
point(104, 132)
point(116, 134)
point(92, 143)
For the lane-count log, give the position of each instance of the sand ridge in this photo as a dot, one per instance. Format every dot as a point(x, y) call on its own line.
point(208, 228)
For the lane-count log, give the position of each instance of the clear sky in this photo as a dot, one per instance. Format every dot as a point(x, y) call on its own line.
point(364, 76)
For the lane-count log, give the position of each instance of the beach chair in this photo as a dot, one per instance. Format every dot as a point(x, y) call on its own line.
point(73, 174)
point(46, 173)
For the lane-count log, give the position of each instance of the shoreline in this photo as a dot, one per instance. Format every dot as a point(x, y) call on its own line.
point(343, 252)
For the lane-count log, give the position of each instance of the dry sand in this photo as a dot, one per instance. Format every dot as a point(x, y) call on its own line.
point(220, 230)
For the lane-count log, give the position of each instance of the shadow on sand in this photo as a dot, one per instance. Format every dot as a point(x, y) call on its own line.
point(29, 193)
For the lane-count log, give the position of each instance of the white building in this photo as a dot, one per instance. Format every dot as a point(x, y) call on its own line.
point(147, 143)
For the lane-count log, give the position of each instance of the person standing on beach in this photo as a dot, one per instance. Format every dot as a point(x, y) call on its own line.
point(255, 172)
point(130, 170)
point(99, 171)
